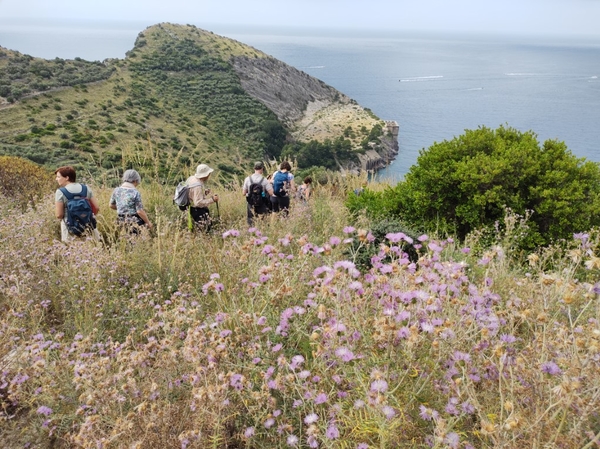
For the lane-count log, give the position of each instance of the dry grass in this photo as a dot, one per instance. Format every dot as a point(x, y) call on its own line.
point(270, 337)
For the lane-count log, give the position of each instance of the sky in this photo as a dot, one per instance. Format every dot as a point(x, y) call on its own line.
point(514, 17)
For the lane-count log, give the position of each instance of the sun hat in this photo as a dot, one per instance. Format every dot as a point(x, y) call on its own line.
point(202, 171)
point(258, 165)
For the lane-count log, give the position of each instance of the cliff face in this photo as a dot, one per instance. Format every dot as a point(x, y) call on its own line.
point(312, 109)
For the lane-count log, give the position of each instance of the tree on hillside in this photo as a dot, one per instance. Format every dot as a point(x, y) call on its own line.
point(468, 182)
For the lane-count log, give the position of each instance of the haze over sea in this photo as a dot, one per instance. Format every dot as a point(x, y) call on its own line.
point(434, 86)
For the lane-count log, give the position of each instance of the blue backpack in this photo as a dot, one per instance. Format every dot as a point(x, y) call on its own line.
point(78, 212)
point(279, 183)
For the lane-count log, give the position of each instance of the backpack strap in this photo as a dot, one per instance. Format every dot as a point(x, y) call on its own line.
point(69, 196)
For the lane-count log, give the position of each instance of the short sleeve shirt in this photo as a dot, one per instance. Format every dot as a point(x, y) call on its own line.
point(128, 200)
point(73, 187)
point(255, 178)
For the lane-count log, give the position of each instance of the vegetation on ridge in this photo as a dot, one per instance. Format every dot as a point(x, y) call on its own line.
point(177, 91)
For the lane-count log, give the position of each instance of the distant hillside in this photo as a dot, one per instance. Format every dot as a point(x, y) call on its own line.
point(182, 95)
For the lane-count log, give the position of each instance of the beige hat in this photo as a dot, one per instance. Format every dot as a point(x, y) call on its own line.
point(202, 171)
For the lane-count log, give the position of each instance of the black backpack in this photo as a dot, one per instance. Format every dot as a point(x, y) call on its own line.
point(78, 212)
point(255, 195)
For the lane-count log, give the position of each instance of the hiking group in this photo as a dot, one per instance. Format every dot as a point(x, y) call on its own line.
point(76, 206)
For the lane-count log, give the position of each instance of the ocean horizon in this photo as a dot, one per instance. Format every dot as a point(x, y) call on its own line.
point(434, 85)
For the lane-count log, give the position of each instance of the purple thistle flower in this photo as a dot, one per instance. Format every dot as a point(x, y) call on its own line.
point(232, 233)
point(249, 432)
point(312, 442)
point(264, 278)
point(423, 238)
point(345, 354)
point(311, 419)
point(428, 414)
point(292, 440)
point(452, 440)
point(362, 446)
point(332, 432)
point(467, 408)
point(388, 411)
point(43, 410)
point(321, 398)
point(349, 230)
point(269, 423)
point(333, 241)
point(379, 386)
point(551, 368)
point(277, 347)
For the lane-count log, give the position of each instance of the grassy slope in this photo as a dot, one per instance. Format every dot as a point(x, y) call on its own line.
point(175, 93)
point(178, 339)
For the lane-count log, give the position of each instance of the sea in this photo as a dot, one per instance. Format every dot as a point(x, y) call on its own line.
point(434, 85)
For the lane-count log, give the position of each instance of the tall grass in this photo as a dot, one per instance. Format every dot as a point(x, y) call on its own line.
point(271, 337)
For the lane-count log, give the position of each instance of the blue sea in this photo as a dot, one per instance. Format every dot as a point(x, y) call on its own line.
point(434, 86)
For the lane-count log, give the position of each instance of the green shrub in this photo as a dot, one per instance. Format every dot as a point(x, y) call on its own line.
point(467, 183)
point(23, 180)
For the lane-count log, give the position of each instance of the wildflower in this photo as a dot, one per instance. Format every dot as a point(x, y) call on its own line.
point(232, 233)
point(551, 368)
point(467, 408)
point(277, 347)
point(43, 410)
point(269, 423)
point(292, 440)
point(388, 411)
point(379, 386)
point(359, 403)
point(423, 238)
point(215, 276)
point(428, 414)
point(332, 432)
point(333, 241)
point(311, 419)
point(395, 237)
point(452, 440)
point(348, 230)
point(249, 432)
point(344, 353)
point(264, 278)
point(593, 263)
point(312, 441)
point(321, 398)
point(268, 249)
point(362, 446)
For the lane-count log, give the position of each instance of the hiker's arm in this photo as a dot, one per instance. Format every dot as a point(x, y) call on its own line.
point(60, 210)
point(144, 216)
point(293, 185)
point(95, 204)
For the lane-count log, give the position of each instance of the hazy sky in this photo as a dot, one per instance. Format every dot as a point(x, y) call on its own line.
point(540, 17)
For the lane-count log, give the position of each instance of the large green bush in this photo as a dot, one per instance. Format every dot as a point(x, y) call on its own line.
point(468, 182)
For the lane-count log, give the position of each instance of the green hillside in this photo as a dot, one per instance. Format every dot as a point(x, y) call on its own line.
point(176, 93)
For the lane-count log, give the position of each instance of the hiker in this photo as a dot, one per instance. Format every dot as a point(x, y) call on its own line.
point(258, 192)
point(127, 201)
point(362, 188)
point(71, 226)
point(200, 197)
point(283, 186)
point(305, 190)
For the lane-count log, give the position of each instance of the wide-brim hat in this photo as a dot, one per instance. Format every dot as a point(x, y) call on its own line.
point(203, 170)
